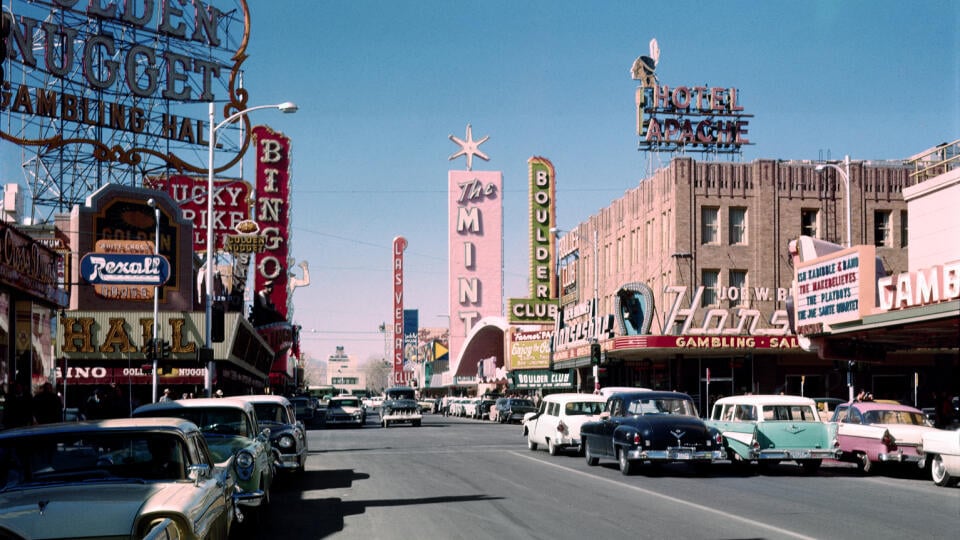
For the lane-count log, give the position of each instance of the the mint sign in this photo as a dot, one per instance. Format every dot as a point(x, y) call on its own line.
point(125, 269)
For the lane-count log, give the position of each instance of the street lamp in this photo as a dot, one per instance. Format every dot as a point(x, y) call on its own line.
point(286, 107)
point(845, 175)
point(156, 295)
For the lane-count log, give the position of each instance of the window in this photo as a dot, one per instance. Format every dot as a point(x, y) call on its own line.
point(709, 221)
point(881, 228)
point(738, 285)
point(738, 226)
point(904, 238)
point(710, 279)
point(809, 223)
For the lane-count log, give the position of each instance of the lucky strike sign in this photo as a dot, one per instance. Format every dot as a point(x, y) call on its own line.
point(231, 204)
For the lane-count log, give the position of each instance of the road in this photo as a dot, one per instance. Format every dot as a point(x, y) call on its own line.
point(463, 479)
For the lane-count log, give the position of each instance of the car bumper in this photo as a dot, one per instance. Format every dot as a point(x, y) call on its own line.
point(402, 417)
point(344, 420)
point(899, 456)
point(289, 461)
point(795, 453)
point(676, 454)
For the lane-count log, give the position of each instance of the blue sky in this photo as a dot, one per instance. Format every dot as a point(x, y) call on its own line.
point(381, 86)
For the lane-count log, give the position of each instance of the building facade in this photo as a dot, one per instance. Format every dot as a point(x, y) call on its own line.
point(684, 281)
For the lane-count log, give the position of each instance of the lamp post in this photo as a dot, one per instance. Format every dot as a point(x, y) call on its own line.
point(845, 175)
point(156, 295)
point(286, 107)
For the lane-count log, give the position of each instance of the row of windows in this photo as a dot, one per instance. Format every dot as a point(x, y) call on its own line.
point(714, 292)
point(736, 225)
point(882, 227)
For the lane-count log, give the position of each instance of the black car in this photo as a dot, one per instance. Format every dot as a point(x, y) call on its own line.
point(510, 409)
point(483, 408)
point(306, 410)
point(649, 426)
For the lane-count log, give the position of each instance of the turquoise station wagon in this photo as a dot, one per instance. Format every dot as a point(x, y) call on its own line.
point(773, 428)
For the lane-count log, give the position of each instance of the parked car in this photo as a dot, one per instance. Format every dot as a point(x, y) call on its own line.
point(650, 426)
point(483, 408)
point(556, 424)
point(941, 451)
point(494, 413)
point(514, 409)
point(768, 429)
point(122, 478)
point(230, 428)
point(826, 406)
point(305, 410)
point(468, 407)
point(288, 436)
point(400, 406)
point(346, 410)
point(873, 432)
point(426, 405)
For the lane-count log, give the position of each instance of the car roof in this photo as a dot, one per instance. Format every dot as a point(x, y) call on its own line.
point(650, 394)
point(568, 397)
point(264, 398)
point(766, 399)
point(167, 424)
point(197, 403)
point(609, 390)
point(875, 406)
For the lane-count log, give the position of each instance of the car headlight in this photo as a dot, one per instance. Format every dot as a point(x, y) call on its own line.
point(244, 464)
point(286, 442)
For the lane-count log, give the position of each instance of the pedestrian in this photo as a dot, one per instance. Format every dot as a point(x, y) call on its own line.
point(166, 396)
point(93, 408)
point(47, 407)
point(18, 410)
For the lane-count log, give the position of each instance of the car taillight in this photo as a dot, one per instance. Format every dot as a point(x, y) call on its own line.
point(718, 438)
point(755, 444)
point(888, 440)
point(561, 427)
point(636, 438)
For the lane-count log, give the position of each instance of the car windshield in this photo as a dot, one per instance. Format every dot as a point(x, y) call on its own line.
point(74, 457)
point(349, 402)
point(895, 417)
point(575, 408)
point(399, 394)
point(271, 412)
point(300, 406)
point(214, 420)
point(679, 406)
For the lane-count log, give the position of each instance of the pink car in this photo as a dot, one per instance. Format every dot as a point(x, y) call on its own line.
point(874, 432)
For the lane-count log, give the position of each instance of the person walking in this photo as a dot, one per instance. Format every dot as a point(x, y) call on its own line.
point(47, 406)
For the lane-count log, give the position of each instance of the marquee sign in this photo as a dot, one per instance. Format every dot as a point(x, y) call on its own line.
point(124, 64)
point(836, 288)
point(125, 269)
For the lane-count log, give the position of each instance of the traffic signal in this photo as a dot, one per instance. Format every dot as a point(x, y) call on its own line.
point(164, 349)
point(594, 354)
point(6, 24)
point(150, 352)
point(147, 369)
point(217, 323)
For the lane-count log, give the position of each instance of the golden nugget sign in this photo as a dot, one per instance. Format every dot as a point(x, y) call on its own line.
point(108, 64)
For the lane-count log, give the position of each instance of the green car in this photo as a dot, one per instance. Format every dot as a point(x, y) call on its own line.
point(230, 428)
point(768, 429)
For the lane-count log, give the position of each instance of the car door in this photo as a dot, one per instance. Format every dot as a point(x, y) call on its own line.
point(609, 424)
point(217, 488)
point(538, 422)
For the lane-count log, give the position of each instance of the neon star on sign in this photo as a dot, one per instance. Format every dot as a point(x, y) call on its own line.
point(469, 148)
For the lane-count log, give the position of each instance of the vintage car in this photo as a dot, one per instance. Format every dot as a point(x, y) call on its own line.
point(345, 411)
point(941, 451)
point(305, 410)
point(650, 426)
point(230, 428)
point(769, 429)
point(400, 406)
point(483, 408)
point(556, 423)
point(514, 409)
point(122, 478)
point(288, 436)
point(873, 432)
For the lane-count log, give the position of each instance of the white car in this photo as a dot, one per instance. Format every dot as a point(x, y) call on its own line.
point(347, 410)
point(941, 449)
point(556, 424)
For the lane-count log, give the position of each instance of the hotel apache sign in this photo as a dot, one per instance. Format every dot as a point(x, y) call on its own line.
point(696, 118)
